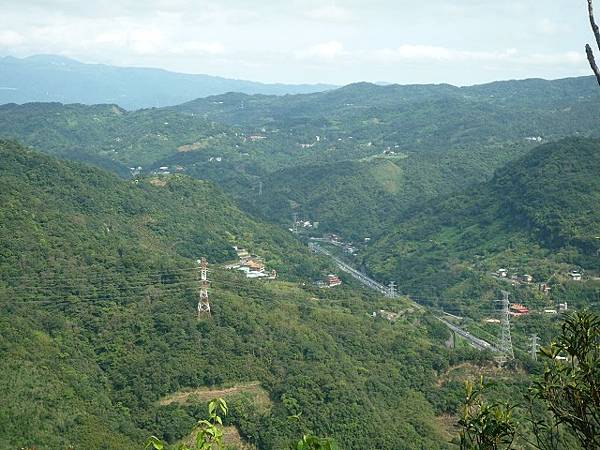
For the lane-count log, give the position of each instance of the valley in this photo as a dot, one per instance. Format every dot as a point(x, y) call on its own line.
point(305, 207)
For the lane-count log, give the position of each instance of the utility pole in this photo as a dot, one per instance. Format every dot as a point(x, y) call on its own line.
point(295, 225)
point(534, 346)
point(203, 304)
point(392, 289)
point(259, 188)
point(505, 343)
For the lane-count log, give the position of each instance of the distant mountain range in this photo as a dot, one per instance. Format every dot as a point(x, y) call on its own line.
point(50, 78)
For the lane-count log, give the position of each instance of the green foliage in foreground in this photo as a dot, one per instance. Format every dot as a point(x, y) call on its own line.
point(209, 431)
point(571, 389)
point(210, 434)
point(485, 426)
point(568, 391)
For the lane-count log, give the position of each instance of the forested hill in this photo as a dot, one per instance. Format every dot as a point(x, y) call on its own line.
point(383, 102)
point(315, 154)
point(107, 135)
point(174, 214)
point(50, 78)
point(98, 323)
point(538, 214)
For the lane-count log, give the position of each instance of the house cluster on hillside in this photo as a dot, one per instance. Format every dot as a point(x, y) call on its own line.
point(332, 280)
point(575, 275)
point(562, 307)
point(517, 309)
point(387, 315)
point(544, 288)
point(347, 246)
point(252, 265)
point(303, 225)
point(255, 138)
point(166, 170)
point(503, 273)
point(135, 171)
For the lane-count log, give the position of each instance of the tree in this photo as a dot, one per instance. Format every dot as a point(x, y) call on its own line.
point(310, 442)
point(210, 433)
point(588, 48)
point(485, 426)
point(570, 387)
point(568, 394)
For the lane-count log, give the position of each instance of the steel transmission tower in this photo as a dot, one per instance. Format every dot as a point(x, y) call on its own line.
point(534, 346)
point(392, 289)
point(505, 343)
point(203, 304)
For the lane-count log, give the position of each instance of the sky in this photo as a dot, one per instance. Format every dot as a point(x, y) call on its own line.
point(460, 42)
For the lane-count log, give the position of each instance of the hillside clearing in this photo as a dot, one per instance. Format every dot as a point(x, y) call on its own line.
point(201, 395)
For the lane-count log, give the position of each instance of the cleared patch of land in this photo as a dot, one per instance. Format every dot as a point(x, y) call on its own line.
point(158, 182)
point(231, 435)
point(252, 389)
point(191, 147)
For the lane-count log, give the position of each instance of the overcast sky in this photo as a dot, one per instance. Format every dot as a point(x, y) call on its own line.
point(455, 41)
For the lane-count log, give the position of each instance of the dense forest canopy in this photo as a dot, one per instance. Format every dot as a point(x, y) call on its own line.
point(99, 321)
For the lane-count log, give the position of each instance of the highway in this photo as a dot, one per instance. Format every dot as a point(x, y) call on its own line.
point(367, 281)
point(473, 340)
point(371, 283)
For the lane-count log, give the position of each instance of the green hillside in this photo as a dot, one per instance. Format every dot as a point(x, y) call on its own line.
point(98, 323)
point(538, 215)
point(437, 139)
point(107, 135)
point(363, 197)
point(358, 98)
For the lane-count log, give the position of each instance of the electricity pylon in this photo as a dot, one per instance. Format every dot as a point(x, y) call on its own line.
point(203, 303)
point(534, 346)
point(505, 342)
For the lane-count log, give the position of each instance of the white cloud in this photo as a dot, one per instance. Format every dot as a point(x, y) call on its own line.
point(569, 58)
point(335, 41)
point(10, 38)
point(551, 28)
point(199, 48)
point(435, 53)
point(141, 41)
point(146, 41)
point(152, 41)
point(111, 37)
point(324, 50)
point(430, 53)
point(330, 13)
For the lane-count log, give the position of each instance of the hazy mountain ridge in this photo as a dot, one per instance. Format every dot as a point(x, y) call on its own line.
point(49, 78)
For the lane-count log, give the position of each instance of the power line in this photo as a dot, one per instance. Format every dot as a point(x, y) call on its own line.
point(94, 275)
